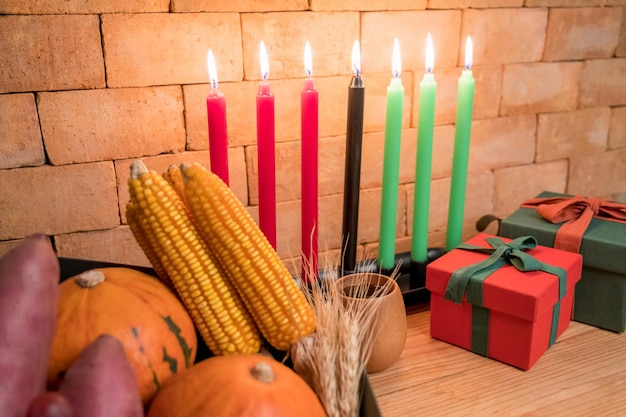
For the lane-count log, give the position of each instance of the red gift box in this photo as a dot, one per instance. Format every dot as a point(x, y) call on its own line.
point(518, 314)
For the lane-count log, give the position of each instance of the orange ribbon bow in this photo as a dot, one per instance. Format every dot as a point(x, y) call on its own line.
point(576, 213)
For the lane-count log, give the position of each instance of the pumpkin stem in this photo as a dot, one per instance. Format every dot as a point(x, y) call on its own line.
point(89, 279)
point(262, 372)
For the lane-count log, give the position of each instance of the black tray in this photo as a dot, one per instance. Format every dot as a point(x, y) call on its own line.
point(71, 267)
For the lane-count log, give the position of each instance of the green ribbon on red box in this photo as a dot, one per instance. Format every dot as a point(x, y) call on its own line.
point(469, 281)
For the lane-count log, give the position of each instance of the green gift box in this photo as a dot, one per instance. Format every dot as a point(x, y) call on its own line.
point(600, 295)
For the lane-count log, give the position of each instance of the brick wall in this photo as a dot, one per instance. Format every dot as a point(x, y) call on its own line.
point(88, 86)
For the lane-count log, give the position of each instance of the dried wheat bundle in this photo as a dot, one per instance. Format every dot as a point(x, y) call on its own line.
point(332, 360)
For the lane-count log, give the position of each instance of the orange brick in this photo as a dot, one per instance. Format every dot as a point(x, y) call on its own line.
point(115, 245)
point(287, 160)
point(617, 129)
point(498, 34)
point(443, 142)
point(331, 36)
point(94, 125)
point(487, 91)
point(241, 110)
point(603, 83)
point(618, 197)
point(369, 216)
point(330, 218)
point(502, 142)
point(598, 174)
point(615, 3)
point(378, 30)
point(538, 88)
point(170, 48)
point(331, 215)
point(50, 53)
point(82, 6)
point(448, 4)
point(373, 155)
point(237, 5)
point(331, 160)
point(563, 3)
point(445, 102)
point(160, 163)
point(443, 148)
point(21, 143)
point(288, 229)
point(357, 5)
point(479, 4)
point(582, 33)
point(577, 133)
point(327, 262)
point(621, 45)
point(57, 199)
point(375, 112)
point(513, 185)
point(478, 199)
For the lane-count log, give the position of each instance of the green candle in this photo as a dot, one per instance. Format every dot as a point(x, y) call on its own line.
point(465, 101)
point(391, 168)
point(425, 128)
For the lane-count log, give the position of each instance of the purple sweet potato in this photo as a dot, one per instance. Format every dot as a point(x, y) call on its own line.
point(29, 279)
point(50, 404)
point(102, 383)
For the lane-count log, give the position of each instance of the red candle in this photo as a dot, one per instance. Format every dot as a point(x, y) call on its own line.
point(216, 115)
point(265, 152)
point(309, 133)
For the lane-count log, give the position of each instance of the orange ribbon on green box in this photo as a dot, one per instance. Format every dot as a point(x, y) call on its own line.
point(575, 213)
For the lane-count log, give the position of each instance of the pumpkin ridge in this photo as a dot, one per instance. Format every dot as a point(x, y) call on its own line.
point(181, 340)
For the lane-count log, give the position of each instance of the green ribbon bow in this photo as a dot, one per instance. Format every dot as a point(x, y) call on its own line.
point(469, 280)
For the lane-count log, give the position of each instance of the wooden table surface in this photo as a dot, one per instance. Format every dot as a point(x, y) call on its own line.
point(582, 374)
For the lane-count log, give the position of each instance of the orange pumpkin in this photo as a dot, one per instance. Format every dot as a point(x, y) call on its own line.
point(158, 335)
point(236, 386)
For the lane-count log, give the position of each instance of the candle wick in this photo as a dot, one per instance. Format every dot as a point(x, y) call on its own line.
point(266, 76)
point(309, 72)
point(396, 74)
point(468, 67)
point(429, 70)
point(213, 83)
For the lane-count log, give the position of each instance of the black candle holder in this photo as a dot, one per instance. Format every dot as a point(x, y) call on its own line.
point(411, 277)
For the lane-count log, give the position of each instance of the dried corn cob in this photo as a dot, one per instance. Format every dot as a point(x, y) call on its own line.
point(132, 217)
point(174, 176)
point(268, 290)
point(216, 309)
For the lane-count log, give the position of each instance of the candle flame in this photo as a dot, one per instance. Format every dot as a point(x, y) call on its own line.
point(430, 54)
point(264, 62)
point(356, 58)
point(212, 69)
point(469, 53)
point(396, 60)
point(308, 59)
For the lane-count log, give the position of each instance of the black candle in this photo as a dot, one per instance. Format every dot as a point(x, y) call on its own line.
point(352, 178)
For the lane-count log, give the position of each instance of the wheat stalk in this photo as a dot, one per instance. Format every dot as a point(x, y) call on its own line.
point(332, 360)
